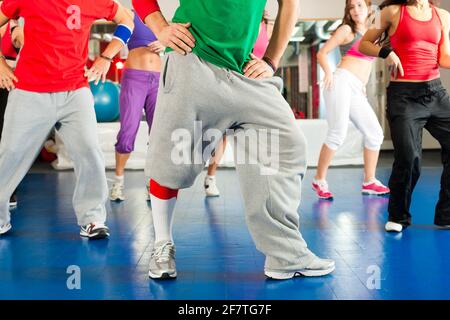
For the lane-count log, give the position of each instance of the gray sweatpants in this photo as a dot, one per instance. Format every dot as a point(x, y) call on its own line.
point(29, 118)
point(192, 91)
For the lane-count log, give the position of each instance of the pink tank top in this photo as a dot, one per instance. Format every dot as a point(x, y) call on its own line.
point(354, 50)
point(262, 42)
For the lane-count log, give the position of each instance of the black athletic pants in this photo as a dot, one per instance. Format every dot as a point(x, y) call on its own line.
point(410, 108)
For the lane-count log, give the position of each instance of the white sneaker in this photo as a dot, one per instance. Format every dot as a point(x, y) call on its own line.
point(5, 228)
point(95, 230)
point(116, 193)
point(162, 261)
point(393, 227)
point(211, 189)
point(317, 268)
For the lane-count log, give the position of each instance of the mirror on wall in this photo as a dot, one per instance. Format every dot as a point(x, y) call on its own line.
point(299, 68)
point(303, 75)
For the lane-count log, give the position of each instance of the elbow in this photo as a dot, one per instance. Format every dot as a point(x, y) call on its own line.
point(321, 54)
point(362, 48)
point(128, 23)
point(131, 25)
point(444, 61)
point(291, 5)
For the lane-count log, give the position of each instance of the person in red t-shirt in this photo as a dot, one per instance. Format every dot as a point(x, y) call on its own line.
point(49, 88)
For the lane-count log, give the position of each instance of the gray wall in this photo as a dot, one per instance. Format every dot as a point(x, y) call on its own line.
point(308, 8)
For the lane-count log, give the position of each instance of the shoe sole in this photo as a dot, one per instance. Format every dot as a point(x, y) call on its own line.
point(163, 276)
point(117, 199)
point(13, 204)
point(446, 227)
point(304, 273)
point(2, 232)
point(394, 230)
point(373, 193)
point(212, 195)
point(323, 198)
point(100, 235)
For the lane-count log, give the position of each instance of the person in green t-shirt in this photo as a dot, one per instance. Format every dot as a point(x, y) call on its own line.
point(212, 84)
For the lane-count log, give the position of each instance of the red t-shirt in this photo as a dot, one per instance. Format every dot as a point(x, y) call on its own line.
point(56, 41)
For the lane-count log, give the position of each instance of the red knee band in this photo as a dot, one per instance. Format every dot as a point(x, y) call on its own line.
point(161, 192)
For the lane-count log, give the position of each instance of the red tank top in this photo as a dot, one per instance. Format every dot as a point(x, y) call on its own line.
point(417, 45)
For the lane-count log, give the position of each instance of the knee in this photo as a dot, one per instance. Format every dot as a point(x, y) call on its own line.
point(125, 143)
point(292, 154)
point(335, 138)
point(124, 148)
point(406, 160)
point(87, 152)
point(374, 140)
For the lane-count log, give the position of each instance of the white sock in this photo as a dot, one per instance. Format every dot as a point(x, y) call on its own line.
point(210, 177)
point(119, 179)
point(162, 213)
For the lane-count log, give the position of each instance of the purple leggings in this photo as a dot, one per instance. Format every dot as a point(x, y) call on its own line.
point(139, 90)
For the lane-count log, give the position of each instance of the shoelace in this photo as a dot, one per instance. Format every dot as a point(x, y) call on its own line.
point(164, 252)
point(322, 185)
point(117, 187)
point(92, 226)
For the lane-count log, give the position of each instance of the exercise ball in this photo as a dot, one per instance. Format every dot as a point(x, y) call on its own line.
point(106, 99)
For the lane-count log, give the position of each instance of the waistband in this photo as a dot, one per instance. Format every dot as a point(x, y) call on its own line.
point(355, 80)
point(414, 87)
point(139, 74)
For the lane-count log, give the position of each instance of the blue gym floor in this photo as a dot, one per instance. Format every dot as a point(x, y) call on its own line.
point(216, 257)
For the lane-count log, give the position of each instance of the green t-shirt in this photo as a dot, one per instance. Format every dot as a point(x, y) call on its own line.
point(225, 30)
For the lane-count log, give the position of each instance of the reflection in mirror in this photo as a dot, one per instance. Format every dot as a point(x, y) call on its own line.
point(303, 75)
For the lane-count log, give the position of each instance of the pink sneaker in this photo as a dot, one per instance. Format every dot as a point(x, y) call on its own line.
point(374, 187)
point(321, 188)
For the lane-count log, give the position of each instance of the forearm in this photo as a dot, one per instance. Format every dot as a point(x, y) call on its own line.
point(323, 61)
point(112, 49)
point(3, 20)
point(284, 25)
point(123, 19)
point(444, 61)
point(369, 48)
point(156, 22)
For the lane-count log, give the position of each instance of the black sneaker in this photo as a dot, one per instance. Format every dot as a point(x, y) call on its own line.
point(13, 201)
point(95, 231)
